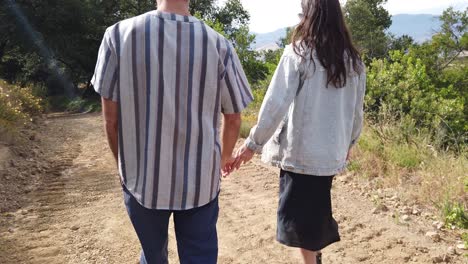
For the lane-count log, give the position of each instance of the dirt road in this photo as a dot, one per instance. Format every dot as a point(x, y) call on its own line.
point(76, 214)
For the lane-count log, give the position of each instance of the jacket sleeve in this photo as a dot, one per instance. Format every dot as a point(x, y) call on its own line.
point(281, 93)
point(359, 111)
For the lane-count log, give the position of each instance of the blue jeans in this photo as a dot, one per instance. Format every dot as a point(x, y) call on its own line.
point(197, 239)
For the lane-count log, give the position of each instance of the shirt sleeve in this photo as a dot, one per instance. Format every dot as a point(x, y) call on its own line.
point(359, 111)
point(279, 97)
point(106, 73)
point(235, 89)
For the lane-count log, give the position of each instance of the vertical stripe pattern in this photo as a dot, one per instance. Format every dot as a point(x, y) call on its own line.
point(177, 108)
point(136, 105)
point(172, 76)
point(157, 157)
point(148, 104)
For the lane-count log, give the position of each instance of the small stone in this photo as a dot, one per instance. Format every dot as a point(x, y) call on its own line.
point(344, 179)
point(461, 246)
point(422, 250)
point(427, 215)
point(11, 230)
point(434, 236)
point(380, 208)
point(405, 218)
point(24, 212)
point(74, 228)
point(437, 259)
point(406, 210)
point(407, 258)
point(451, 251)
point(394, 198)
point(416, 212)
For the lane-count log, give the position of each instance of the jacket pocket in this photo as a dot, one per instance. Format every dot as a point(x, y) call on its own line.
point(280, 132)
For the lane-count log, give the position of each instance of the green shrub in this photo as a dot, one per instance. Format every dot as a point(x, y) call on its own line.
point(455, 215)
point(401, 88)
point(404, 156)
point(17, 105)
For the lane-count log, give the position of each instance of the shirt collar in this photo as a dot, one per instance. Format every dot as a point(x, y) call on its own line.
point(175, 17)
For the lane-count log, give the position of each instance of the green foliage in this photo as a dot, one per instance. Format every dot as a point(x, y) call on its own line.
point(272, 58)
point(56, 43)
point(465, 240)
point(82, 105)
point(402, 88)
point(402, 43)
point(17, 105)
point(255, 69)
point(354, 166)
point(368, 20)
point(405, 156)
point(427, 83)
point(455, 215)
point(286, 40)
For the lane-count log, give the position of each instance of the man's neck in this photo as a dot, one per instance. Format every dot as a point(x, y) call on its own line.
point(175, 7)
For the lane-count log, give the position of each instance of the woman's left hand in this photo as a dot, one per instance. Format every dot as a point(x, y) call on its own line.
point(243, 155)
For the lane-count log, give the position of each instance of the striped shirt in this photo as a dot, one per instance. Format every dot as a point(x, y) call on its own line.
point(172, 77)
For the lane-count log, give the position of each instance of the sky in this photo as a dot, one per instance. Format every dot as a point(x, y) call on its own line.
point(270, 15)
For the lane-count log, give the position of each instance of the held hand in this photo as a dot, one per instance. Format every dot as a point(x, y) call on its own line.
point(226, 165)
point(243, 155)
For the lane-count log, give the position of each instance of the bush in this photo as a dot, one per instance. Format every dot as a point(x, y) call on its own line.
point(401, 88)
point(404, 156)
point(455, 215)
point(17, 105)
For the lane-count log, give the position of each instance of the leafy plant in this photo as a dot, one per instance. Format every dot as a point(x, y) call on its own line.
point(455, 215)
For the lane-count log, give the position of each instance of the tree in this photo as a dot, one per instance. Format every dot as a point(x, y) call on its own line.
point(55, 42)
point(403, 43)
point(286, 40)
point(368, 20)
point(255, 69)
point(453, 37)
point(425, 83)
point(231, 20)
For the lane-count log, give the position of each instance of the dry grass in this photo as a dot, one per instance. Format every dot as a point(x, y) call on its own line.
point(426, 176)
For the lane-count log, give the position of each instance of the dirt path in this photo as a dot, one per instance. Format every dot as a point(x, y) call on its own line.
point(76, 215)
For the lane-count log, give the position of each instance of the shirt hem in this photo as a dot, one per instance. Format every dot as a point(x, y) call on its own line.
point(167, 208)
point(307, 171)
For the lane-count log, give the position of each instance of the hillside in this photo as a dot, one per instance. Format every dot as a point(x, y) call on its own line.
point(420, 27)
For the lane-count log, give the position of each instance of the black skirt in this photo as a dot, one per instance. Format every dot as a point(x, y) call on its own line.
point(305, 218)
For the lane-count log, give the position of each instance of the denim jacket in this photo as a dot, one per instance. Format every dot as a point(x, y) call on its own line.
point(304, 126)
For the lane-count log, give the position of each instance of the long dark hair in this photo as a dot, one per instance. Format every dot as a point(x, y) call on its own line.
point(323, 29)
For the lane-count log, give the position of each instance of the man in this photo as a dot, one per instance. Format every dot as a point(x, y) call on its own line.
point(165, 79)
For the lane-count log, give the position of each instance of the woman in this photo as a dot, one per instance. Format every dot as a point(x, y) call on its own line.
point(311, 117)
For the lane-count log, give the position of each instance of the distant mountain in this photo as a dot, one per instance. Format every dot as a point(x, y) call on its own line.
point(420, 27)
point(268, 39)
